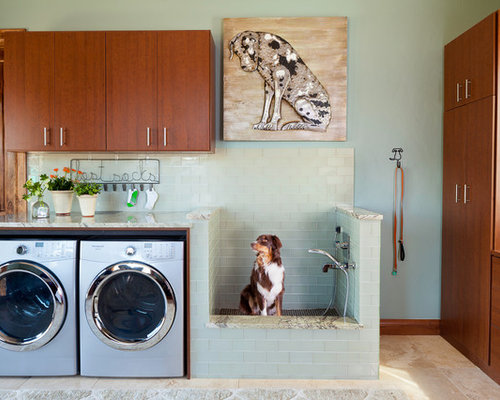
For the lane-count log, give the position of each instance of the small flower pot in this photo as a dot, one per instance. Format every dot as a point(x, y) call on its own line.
point(62, 201)
point(87, 204)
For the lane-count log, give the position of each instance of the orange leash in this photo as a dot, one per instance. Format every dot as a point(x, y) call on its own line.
point(398, 246)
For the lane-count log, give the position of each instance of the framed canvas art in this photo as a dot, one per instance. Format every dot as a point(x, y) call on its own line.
point(285, 79)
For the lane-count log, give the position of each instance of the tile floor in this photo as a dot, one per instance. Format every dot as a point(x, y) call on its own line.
point(411, 367)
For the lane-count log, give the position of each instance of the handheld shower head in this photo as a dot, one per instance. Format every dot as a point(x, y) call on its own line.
point(325, 253)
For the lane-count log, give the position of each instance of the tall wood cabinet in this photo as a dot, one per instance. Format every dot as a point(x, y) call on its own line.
point(469, 193)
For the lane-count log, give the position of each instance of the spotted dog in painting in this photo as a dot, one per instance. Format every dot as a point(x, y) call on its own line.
point(264, 294)
point(286, 76)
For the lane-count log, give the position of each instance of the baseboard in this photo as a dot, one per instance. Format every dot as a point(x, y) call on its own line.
point(409, 327)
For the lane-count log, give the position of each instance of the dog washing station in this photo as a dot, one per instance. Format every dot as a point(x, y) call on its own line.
point(302, 343)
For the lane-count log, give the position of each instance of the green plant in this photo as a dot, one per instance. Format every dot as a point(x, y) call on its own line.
point(89, 188)
point(63, 182)
point(35, 189)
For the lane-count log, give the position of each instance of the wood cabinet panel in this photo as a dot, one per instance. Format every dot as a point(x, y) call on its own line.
point(454, 72)
point(470, 64)
point(185, 82)
point(80, 91)
point(495, 348)
point(131, 90)
point(478, 225)
point(29, 91)
point(495, 298)
point(453, 231)
point(480, 65)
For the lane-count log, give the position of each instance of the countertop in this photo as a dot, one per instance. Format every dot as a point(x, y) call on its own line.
point(109, 220)
point(360, 213)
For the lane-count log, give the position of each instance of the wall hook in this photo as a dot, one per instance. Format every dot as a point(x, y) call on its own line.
point(396, 156)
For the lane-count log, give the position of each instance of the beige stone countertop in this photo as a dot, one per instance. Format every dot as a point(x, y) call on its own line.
point(109, 220)
point(360, 213)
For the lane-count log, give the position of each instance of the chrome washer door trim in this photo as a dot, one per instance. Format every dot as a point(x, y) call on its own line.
point(94, 319)
point(59, 302)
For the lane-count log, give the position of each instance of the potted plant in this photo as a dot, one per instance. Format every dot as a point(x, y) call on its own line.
point(61, 188)
point(87, 193)
point(39, 209)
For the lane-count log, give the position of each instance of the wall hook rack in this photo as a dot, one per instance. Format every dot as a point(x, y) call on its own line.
point(397, 156)
point(116, 173)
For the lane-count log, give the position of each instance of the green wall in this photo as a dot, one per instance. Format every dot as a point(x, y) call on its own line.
point(395, 99)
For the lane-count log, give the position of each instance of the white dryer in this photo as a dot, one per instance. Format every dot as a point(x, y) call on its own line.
point(132, 308)
point(38, 329)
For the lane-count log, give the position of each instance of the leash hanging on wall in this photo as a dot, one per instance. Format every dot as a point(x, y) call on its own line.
point(398, 245)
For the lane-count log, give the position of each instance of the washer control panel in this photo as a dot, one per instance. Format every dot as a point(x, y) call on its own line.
point(42, 250)
point(146, 251)
point(159, 251)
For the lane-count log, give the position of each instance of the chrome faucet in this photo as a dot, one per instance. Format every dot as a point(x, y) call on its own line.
point(325, 253)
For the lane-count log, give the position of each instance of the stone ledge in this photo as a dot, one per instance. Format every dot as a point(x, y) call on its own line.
point(283, 322)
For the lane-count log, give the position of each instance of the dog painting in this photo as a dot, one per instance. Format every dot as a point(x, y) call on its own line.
point(286, 76)
point(264, 294)
point(290, 79)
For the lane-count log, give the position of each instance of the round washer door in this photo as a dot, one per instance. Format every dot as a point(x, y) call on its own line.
point(130, 306)
point(32, 306)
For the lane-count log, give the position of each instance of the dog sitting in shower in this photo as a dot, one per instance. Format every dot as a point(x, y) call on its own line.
point(264, 294)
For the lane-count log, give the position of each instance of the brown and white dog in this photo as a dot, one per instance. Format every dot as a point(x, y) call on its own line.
point(264, 294)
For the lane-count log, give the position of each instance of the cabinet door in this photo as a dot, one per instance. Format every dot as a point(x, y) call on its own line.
point(29, 91)
point(480, 66)
point(131, 90)
point(470, 65)
point(479, 153)
point(453, 74)
point(79, 112)
point(185, 90)
point(453, 229)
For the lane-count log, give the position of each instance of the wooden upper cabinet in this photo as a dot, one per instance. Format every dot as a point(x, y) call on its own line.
point(470, 66)
point(117, 91)
point(79, 108)
point(29, 91)
point(54, 91)
point(185, 90)
point(131, 90)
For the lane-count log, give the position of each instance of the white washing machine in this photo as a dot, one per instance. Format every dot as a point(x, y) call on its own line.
point(38, 329)
point(132, 308)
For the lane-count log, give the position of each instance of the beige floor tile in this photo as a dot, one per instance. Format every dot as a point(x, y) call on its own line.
point(419, 352)
point(309, 384)
point(163, 383)
point(473, 383)
point(12, 383)
point(61, 383)
point(422, 383)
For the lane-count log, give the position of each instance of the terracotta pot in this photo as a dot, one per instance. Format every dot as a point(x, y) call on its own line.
point(62, 201)
point(87, 204)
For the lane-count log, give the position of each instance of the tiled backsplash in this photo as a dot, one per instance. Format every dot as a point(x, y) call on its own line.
point(284, 191)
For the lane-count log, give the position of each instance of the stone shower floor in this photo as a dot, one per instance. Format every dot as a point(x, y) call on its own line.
point(316, 312)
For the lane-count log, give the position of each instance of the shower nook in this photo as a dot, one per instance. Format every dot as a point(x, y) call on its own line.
point(313, 331)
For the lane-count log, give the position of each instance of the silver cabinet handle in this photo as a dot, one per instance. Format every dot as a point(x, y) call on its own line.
point(467, 91)
point(148, 138)
point(164, 137)
point(45, 136)
point(466, 200)
point(458, 92)
point(61, 136)
point(457, 189)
